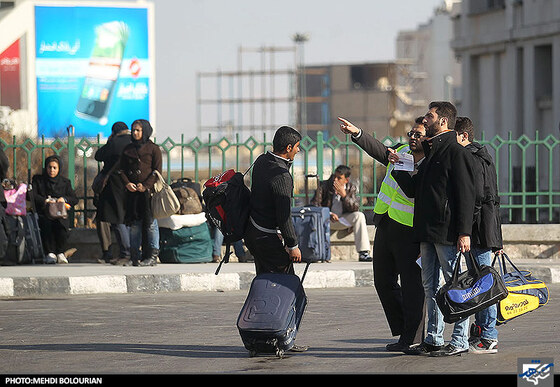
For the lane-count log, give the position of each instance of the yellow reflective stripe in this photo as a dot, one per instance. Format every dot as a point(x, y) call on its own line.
point(392, 199)
point(539, 285)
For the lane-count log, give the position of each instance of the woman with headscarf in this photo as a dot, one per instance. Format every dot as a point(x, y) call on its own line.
point(139, 161)
point(54, 232)
point(110, 203)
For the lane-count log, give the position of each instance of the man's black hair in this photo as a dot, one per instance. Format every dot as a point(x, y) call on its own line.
point(283, 137)
point(343, 170)
point(447, 110)
point(465, 125)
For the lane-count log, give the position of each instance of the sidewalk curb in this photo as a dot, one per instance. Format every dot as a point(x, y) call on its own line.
point(48, 284)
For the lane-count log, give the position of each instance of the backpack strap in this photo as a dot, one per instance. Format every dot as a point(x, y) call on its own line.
point(225, 259)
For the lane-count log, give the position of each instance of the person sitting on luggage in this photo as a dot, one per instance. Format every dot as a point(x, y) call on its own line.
point(339, 195)
point(54, 232)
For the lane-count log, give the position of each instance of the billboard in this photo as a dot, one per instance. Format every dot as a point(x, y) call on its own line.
point(92, 68)
point(10, 88)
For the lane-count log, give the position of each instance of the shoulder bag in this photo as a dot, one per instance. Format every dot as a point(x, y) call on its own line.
point(470, 291)
point(164, 201)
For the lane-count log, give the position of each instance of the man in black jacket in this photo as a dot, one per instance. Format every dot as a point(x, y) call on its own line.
point(487, 231)
point(444, 196)
point(270, 236)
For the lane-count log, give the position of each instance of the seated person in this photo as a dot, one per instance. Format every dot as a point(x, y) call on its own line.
point(54, 233)
point(339, 195)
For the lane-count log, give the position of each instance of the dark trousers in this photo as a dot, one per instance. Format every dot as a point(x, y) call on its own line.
point(122, 233)
point(268, 251)
point(394, 256)
point(54, 235)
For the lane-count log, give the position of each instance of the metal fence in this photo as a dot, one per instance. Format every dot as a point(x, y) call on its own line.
point(528, 168)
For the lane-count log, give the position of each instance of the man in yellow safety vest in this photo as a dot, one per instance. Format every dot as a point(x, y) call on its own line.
point(394, 250)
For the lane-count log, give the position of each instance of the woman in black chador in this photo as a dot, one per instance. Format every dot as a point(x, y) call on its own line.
point(51, 184)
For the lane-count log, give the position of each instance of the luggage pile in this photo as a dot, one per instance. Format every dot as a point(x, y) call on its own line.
point(185, 236)
point(20, 238)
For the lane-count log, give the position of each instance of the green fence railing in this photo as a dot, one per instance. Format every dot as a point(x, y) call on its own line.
point(528, 168)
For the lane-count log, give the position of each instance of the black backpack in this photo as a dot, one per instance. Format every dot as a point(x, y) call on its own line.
point(227, 201)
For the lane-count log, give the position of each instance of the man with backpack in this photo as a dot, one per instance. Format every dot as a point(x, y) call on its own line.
point(487, 230)
point(270, 235)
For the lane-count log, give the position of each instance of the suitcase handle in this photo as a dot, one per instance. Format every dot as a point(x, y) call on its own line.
point(307, 263)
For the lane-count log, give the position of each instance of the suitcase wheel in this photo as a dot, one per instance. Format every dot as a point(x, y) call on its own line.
point(280, 353)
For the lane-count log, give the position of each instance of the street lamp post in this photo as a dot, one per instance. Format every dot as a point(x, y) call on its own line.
point(300, 39)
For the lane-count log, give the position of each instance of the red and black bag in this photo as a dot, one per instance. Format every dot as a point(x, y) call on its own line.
point(227, 200)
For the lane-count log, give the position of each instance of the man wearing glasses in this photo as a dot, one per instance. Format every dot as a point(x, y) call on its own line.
point(394, 250)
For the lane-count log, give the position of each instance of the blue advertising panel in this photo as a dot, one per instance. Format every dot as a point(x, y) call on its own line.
point(92, 68)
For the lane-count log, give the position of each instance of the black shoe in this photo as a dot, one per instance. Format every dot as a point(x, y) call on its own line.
point(396, 347)
point(152, 259)
point(449, 350)
point(148, 262)
point(421, 349)
point(364, 257)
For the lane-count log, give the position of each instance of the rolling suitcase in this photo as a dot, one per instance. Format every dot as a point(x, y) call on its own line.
point(313, 228)
point(272, 313)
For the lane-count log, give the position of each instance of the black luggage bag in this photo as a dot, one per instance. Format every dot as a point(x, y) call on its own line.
point(272, 313)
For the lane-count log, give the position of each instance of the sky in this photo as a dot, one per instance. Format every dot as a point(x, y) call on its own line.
point(204, 36)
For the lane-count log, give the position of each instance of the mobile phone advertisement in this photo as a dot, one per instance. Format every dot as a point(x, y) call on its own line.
point(92, 68)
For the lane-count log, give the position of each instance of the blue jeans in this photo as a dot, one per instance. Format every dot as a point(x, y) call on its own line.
point(137, 235)
point(440, 259)
point(219, 240)
point(486, 318)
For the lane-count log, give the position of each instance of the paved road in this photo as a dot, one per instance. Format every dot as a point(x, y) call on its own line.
point(194, 332)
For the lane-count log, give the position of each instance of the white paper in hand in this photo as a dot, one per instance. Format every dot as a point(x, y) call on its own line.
point(405, 163)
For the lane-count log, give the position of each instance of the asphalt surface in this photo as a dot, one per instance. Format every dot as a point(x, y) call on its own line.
point(177, 334)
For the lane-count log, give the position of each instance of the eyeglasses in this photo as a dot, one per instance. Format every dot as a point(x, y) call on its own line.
point(414, 134)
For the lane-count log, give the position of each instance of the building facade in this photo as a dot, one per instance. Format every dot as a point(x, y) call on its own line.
point(510, 56)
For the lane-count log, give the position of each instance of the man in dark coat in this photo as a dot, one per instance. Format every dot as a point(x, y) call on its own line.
point(487, 230)
point(444, 196)
point(110, 204)
point(271, 194)
point(271, 236)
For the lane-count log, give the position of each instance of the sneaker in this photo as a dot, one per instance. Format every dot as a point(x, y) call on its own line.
point(483, 346)
point(364, 256)
point(449, 350)
point(475, 332)
point(61, 258)
point(421, 349)
point(50, 258)
point(299, 348)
